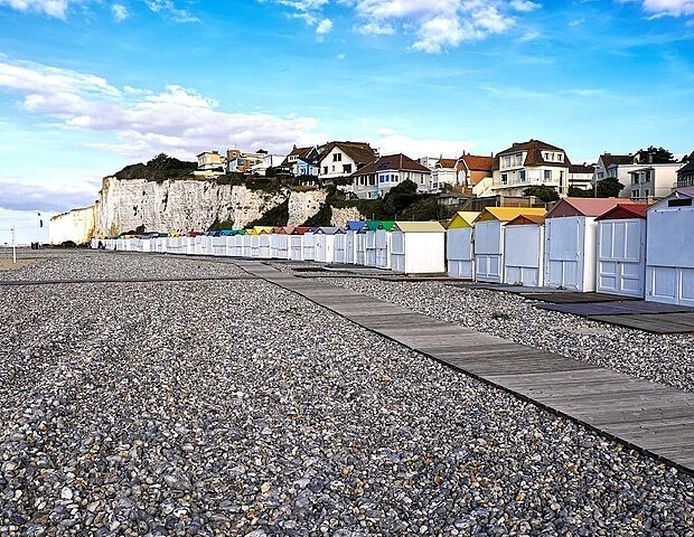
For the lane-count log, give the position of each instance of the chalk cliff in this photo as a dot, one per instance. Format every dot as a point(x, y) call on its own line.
point(191, 204)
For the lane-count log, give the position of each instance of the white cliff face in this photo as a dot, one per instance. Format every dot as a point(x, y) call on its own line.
point(340, 217)
point(303, 205)
point(76, 226)
point(191, 205)
point(183, 205)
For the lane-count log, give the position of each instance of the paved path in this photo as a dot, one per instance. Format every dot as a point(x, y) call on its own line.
point(650, 417)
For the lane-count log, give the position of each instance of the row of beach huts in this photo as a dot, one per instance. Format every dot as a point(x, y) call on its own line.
point(610, 246)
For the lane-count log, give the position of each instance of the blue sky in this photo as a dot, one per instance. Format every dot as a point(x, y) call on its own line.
point(87, 86)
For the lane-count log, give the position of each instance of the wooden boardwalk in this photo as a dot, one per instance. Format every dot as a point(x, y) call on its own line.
point(649, 417)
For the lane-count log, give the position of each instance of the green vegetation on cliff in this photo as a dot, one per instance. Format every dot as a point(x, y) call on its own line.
point(160, 168)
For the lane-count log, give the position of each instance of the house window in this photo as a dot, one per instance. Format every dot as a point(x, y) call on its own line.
point(560, 157)
point(325, 170)
point(548, 175)
point(521, 176)
point(634, 193)
point(504, 178)
point(337, 157)
point(346, 168)
point(519, 159)
point(507, 162)
point(601, 175)
point(561, 179)
point(647, 192)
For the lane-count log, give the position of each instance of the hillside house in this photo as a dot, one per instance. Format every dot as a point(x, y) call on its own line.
point(377, 178)
point(302, 161)
point(685, 175)
point(209, 161)
point(531, 163)
point(342, 159)
point(581, 176)
point(475, 172)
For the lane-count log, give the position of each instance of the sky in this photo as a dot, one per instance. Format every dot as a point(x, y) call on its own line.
point(88, 86)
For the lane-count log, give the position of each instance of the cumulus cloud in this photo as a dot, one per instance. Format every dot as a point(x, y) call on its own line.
point(142, 123)
point(389, 141)
point(52, 8)
point(324, 27)
point(120, 12)
point(437, 25)
point(669, 7)
point(25, 197)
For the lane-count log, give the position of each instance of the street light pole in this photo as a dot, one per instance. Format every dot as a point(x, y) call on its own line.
point(14, 247)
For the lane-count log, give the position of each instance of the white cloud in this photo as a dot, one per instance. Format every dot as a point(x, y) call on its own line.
point(437, 25)
point(324, 27)
point(120, 12)
point(375, 28)
point(389, 141)
point(661, 8)
point(525, 5)
point(169, 8)
point(142, 123)
point(53, 8)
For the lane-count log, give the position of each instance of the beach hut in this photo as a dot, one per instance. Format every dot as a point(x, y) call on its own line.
point(309, 244)
point(296, 243)
point(369, 230)
point(351, 233)
point(570, 242)
point(361, 246)
point(670, 249)
point(246, 244)
point(459, 252)
point(384, 243)
point(340, 246)
point(260, 242)
point(219, 244)
point(524, 240)
point(418, 248)
point(621, 251)
point(275, 242)
point(488, 237)
point(325, 243)
point(237, 242)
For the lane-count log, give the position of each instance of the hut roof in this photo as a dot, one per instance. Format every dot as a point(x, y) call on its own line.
point(462, 219)
point(419, 227)
point(506, 214)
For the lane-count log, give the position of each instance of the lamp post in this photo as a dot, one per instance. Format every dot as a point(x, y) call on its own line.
point(14, 247)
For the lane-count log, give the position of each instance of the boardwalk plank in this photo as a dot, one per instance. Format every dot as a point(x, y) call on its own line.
point(653, 418)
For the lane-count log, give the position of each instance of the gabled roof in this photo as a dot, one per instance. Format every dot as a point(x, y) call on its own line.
point(398, 162)
point(592, 207)
point(506, 214)
point(462, 219)
point(420, 227)
point(478, 163)
point(608, 159)
point(360, 152)
point(581, 168)
point(287, 230)
point(527, 220)
point(328, 230)
point(624, 210)
point(689, 167)
point(303, 153)
point(259, 230)
point(446, 163)
point(534, 149)
point(355, 225)
point(301, 230)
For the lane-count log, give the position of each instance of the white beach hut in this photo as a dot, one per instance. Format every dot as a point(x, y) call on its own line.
point(570, 242)
point(418, 248)
point(459, 252)
point(246, 244)
point(351, 239)
point(340, 246)
point(488, 237)
point(325, 243)
point(384, 244)
point(296, 244)
point(621, 251)
point(309, 244)
point(524, 242)
point(670, 249)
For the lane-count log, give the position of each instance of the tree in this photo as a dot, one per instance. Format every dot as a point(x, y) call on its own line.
point(545, 193)
point(399, 198)
point(576, 192)
point(609, 187)
point(688, 158)
point(655, 155)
